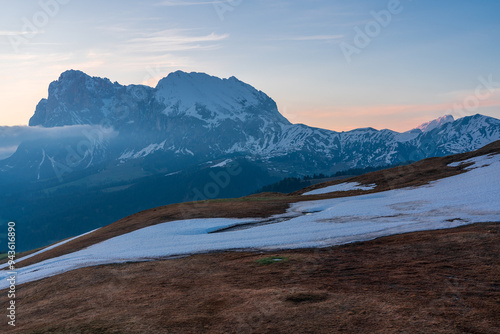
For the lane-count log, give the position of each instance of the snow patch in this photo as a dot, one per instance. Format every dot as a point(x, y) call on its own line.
point(150, 149)
point(47, 249)
point(142, 153)
point(346, 186)
point(126, 155)
point(467, 198)
point(477, 162)
point(205, 97)
point(222, 164)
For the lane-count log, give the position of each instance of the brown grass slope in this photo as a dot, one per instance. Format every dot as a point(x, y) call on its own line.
point(264, 205)
point(445, 281)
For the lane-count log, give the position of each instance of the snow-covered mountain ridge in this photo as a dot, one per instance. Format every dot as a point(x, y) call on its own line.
point(201, 117)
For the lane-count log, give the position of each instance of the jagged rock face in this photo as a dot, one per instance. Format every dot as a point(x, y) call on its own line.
point(190, 112)
point(77, 98)
point(201, 117)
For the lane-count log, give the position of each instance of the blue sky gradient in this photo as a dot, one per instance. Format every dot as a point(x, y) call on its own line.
point(427, 59)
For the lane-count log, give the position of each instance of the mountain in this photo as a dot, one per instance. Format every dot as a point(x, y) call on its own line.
point(437, 200)
point(76, 98)
point(229, 115)
point(429, 126)
point(192, 137)
point(269, 262)
point(197, 118)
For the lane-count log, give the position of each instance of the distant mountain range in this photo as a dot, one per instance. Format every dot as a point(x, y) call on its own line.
point(197, 117)
point(193, 136)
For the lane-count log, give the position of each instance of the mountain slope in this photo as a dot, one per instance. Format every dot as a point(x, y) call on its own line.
point(139, 147)
point(399, 201)
point(442, 280)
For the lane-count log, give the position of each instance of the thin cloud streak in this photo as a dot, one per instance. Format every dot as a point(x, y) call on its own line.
point(17, 33)
point(187, 3)
point(174, 40)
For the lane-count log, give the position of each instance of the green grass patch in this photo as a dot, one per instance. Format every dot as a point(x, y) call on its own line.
point(272, 259)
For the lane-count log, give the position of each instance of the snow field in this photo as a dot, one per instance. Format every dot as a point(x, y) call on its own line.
point(467, 198)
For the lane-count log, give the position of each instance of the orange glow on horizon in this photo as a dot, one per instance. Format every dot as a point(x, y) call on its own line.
point(394, 117)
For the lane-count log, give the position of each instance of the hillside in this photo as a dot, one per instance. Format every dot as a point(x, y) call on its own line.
point(266, 205)
point(440, 281)
point(97, 151)
point(444, 281)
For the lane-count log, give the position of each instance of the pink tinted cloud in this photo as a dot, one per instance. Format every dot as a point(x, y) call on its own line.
point(395, 117)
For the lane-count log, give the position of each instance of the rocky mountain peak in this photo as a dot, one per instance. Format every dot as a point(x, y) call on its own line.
point(431, 125)
point(213, 99)
point(77, 98)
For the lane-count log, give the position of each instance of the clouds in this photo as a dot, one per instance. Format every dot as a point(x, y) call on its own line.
point(174, 40)
point(19, 32)
point(12, 136)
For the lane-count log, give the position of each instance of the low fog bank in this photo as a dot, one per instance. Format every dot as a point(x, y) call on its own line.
point(12, 136)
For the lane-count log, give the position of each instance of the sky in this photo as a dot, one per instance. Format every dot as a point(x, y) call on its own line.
point(338, 65)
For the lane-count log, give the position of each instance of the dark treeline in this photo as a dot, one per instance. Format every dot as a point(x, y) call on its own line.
point(291, 184)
